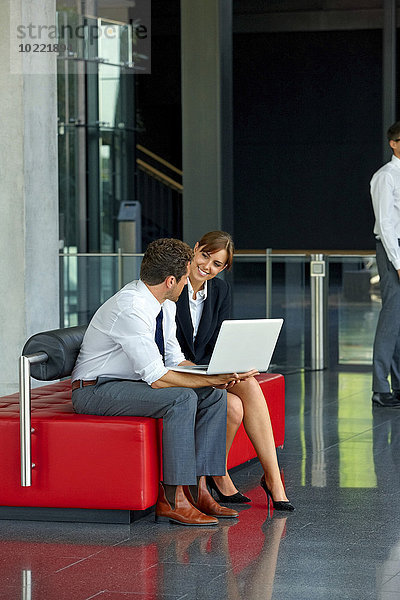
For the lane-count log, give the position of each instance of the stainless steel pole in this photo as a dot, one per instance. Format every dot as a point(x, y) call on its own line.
point(25, 413)
point(318, 303)
point(120, 269)
point(268, 283)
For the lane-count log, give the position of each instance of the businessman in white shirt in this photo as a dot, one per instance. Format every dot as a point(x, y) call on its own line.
point(385, 193)
point(123, 369)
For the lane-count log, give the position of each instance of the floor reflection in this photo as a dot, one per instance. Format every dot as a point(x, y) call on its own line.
point(342, 472)
point(386, 447)
point(261, 570)
point(26, 584)
point(386, 451)
point(205, 562)
point(318, 469)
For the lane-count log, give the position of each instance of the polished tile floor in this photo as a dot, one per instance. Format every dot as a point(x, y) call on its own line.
point(341, 464)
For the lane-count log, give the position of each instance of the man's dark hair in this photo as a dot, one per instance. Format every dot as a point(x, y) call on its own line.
point(394, 131)
point(165, 257)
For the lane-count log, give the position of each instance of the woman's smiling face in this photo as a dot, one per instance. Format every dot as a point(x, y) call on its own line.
point(206, 265)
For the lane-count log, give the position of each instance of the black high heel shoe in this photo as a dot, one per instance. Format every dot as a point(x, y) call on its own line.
point(277, 504)
point(237, 498)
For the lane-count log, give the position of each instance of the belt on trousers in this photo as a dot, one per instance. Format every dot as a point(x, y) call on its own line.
point(80, 383)
point(380, 241)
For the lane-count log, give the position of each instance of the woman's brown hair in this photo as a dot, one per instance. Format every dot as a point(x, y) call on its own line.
point(218, 240)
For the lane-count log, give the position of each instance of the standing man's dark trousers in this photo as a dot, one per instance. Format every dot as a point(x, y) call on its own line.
point(386, 358)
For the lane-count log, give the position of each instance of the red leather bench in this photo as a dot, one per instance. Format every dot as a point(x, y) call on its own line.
point(109, 466)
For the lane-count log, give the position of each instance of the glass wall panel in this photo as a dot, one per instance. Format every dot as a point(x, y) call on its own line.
point(286, 296)
point(96, 116)
point(277, 286)
point(71, 155)
point(354, 305)
point(77, 275)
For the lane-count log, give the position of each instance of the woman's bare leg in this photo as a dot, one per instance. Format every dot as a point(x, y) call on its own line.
point(234, 419)
point(257, 424)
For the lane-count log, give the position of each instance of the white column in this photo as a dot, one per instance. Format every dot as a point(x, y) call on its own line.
point(29, 283)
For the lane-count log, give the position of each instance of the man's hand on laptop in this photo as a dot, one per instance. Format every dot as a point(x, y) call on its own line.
point(231, 379)
point(223, 381)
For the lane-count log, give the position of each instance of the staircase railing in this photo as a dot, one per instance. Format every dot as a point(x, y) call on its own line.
point(159, 190)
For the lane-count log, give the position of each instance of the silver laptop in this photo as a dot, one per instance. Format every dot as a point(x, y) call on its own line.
point(242, 345)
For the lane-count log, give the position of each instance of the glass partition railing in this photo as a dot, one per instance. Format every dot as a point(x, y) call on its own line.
point(274, 286)
point(331, 302)
point(88, 280)
point(354, 304)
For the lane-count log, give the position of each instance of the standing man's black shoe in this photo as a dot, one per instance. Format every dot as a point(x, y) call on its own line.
point(386, 399)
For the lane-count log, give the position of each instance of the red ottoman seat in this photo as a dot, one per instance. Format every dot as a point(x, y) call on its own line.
point(273, 387)
point(81, 461)
point(93, 462)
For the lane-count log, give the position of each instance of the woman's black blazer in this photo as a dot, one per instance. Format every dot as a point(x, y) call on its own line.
point(216, 309)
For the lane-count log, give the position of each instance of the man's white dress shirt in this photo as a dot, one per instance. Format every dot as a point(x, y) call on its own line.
point(385, 193)
point(119, 341)
point(196, 305)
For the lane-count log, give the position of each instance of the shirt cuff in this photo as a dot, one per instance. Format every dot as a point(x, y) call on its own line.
point(154, 373)
point(174, 361)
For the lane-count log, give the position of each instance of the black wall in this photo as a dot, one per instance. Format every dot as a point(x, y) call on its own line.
point(307, 132)
point(307, 127)
point(159, 99)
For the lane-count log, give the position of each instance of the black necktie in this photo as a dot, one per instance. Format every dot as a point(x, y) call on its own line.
point(159, 337)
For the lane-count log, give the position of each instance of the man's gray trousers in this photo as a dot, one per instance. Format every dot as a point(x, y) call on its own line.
point(194, 422)
point(386, 357)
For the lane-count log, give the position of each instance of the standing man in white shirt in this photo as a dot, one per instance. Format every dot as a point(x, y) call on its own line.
point(123, 369)
point(385, 193)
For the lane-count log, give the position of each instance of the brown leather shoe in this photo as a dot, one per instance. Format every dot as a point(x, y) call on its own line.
point(184, 513)
point(206, 503)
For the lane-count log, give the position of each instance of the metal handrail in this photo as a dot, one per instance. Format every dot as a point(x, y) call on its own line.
point(243, 254)
point(294, 252)
point(159, 159)
point(156, 174)
point(99, 254)
point(26, 430)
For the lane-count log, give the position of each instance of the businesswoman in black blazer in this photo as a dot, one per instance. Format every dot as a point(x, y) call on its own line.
point(201, 309)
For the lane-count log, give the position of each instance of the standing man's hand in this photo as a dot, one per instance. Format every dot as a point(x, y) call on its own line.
point(398, 273)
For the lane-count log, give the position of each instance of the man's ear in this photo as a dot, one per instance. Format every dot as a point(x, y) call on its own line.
point(169, 281)
point(196, 247)
point(392, 144)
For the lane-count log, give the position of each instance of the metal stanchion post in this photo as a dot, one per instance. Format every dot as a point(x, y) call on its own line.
point(318, 311)
point(120, 269)
point(268, 283)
